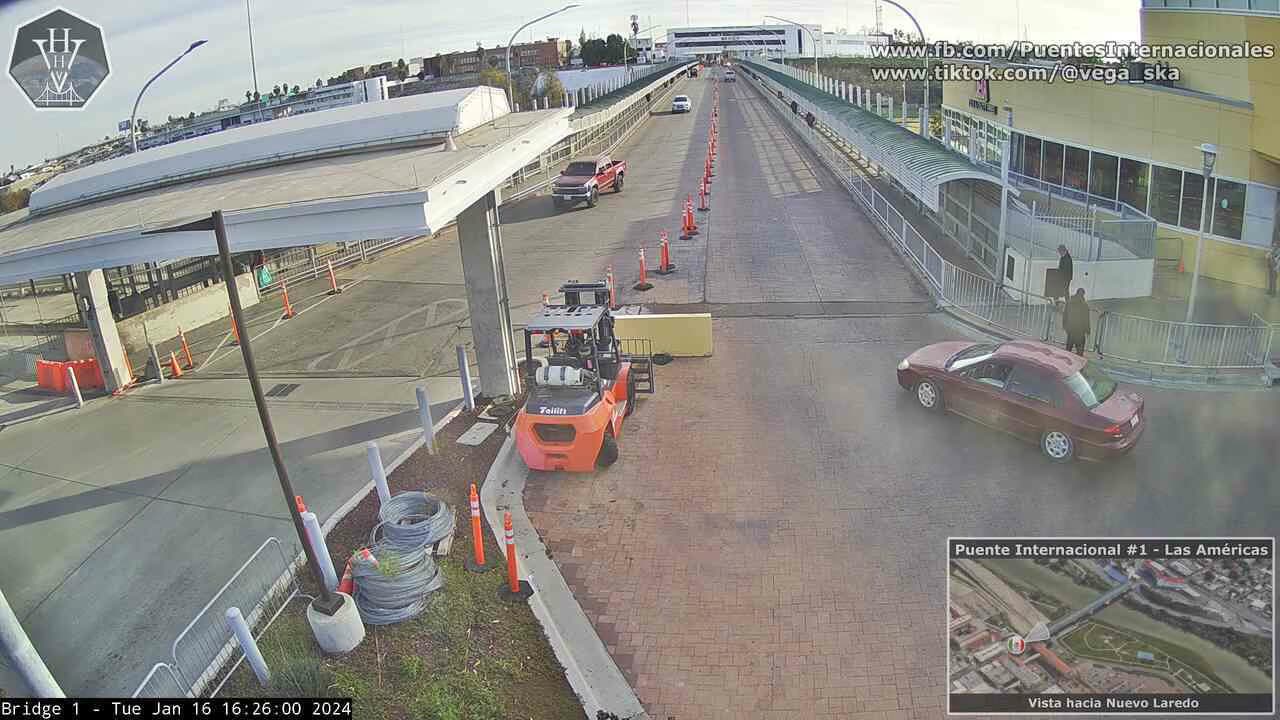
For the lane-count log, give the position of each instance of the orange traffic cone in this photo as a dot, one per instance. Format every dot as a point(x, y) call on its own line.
point(186, 349)
point(284, 299)
point(693, 224)
point(235, 331)
point(644, 283)
point(174, 370)
point(665, 266)
point(347, 584)
point(702, 198)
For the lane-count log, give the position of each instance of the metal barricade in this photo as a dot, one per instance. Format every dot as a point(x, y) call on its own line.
point(162, 682)
point(1181, 344)
point(202, 653)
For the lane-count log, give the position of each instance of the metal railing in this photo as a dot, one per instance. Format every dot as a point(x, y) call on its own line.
point(1115, 335)
point(305, 263)
point(201, 655)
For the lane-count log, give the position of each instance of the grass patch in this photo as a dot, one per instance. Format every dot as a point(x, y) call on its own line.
point(1086, 642)
point(469, 656)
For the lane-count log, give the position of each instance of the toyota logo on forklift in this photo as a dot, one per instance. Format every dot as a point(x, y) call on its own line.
point(583, 388)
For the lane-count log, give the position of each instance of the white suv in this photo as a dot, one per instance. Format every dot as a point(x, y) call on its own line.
point(680, 103)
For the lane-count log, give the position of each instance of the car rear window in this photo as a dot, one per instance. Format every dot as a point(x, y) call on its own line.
point(580, 168)
point(1091, 386)
point(682, 98)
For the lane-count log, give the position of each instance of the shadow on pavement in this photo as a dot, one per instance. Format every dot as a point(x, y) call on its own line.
point(148, 486)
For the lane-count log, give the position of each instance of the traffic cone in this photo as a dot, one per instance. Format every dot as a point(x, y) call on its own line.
point(284, 300)
point(174, 370)
point(693, 224)
point(686, 231)
point(235, 331)
point(333, 280)
point(347, 584)
point(665, 266)
point(702, 198)
point(186, 349)
point(644, 283)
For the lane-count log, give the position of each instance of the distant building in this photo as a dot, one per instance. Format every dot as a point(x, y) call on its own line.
point(1185, 567)
point(771, 40)
point(998, 675)
point(1052, 661)
point(311, 100)
point(549, 53)
point(989, 652)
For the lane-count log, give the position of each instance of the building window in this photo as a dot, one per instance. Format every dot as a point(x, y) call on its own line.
point(1166, 194)
point(1134, 183)
point(1192, 200)
point(1031, 157)
point(1015, 161)
point(1102, 176)
point(1076, 171)
point(1052, 170)
point(1228, 209)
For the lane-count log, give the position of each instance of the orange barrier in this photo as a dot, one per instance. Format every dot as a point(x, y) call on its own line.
point(476, 562)
point(174, 370)
point(333, 280)
point(52, 375)
point(235, 331)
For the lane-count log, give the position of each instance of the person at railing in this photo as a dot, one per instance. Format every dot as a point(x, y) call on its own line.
point(1075, 320)
point(1066, 269)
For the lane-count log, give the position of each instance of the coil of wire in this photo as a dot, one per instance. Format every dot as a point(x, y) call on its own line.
point(412, 520)
point(394, 583)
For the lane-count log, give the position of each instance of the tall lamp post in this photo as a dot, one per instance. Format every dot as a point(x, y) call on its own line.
point(133, 119)
point(511, 93)
point(811, 38)
point(1210, 154)
point(925, 129)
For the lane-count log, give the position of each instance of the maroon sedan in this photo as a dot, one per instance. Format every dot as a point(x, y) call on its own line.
point(1029, 389)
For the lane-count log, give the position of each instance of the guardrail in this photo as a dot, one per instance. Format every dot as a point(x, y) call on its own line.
point(1128, 338)
point(298, 264)
point(262, 587)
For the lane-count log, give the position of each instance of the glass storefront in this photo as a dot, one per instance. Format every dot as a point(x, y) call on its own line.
point(1170, 195)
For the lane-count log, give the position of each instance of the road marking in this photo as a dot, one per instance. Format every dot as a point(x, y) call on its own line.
point(227, 338)
point(390, 338)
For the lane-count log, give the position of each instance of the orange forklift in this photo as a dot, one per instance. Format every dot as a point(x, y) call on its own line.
point(585, 386)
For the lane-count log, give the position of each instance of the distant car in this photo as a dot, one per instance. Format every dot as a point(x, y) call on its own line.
point(1029, 389)
point(680, 103)
point(730, 76)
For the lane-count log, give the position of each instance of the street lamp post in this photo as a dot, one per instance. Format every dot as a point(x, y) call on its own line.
point(511, 93)
point(924, 130)
point(133, 118)
point(1210, 156)
point(811, 38)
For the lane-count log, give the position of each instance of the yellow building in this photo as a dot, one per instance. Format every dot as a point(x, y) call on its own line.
point(1138, 144)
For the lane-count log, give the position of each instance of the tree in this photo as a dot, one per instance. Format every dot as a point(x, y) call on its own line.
point(582, 38)
point(614, 49)
point(550, 87)
point(569, 50)
point(297, 90)
point(594, 52)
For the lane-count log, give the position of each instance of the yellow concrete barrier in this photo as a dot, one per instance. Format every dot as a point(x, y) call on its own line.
point(678, 335)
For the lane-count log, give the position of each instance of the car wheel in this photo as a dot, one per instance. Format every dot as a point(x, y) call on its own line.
point(929, 395)
point(631, 396)
point(1057, 446)
point(608, 451)
point(617, 184)
point(593, 198)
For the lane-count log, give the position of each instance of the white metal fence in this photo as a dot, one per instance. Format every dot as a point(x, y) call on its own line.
point(200, 657)
point(1115, 335)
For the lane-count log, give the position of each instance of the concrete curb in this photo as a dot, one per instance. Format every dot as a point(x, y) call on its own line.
point(590, 669)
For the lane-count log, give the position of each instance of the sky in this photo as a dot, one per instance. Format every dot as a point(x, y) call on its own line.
point(298, 41)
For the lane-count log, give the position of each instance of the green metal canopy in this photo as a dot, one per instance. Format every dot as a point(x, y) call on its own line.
point(918, 164)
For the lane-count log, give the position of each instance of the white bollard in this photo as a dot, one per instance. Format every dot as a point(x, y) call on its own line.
point(424, 412)
point(378, 472)
point(155, 358)
point(75, 387)
point(464, 374)
point(235, 621)
point(315, 536)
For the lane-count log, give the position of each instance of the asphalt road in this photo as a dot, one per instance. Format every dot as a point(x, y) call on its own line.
point(772, 541)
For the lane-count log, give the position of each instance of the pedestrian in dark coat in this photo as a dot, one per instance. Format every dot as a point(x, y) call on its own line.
point(1075, 320)
point(1066, 270)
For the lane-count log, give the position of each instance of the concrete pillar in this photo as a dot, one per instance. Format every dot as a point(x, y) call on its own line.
point(480, 239)
point(91, 295)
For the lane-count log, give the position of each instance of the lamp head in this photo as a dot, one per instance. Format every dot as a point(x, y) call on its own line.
point(196, 44)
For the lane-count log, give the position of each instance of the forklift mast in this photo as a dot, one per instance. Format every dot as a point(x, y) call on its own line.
point(596, 293)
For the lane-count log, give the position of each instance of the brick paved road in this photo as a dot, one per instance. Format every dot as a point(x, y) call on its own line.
point(770, 544)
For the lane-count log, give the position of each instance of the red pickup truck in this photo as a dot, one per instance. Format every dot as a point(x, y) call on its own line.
point(584, 180)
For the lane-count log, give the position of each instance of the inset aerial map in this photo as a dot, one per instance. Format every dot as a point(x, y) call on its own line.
point(1111, 626)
